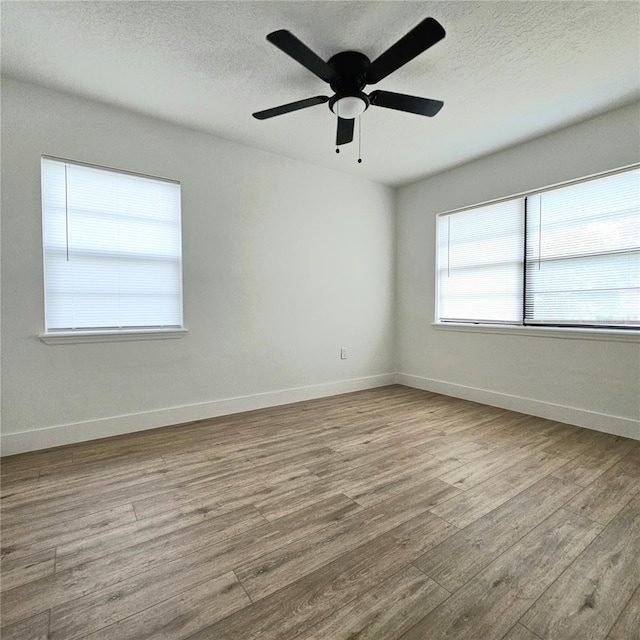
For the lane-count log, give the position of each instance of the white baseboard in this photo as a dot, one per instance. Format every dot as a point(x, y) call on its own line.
point(34, 440)
point(581, 417)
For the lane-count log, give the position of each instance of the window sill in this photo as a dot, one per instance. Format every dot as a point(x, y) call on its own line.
point(570, 333)
point(72, 337)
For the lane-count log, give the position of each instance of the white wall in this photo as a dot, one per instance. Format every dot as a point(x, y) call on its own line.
point(592, 383)
point(284, 263)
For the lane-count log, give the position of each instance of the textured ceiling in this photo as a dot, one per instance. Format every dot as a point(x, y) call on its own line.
point(506, 71)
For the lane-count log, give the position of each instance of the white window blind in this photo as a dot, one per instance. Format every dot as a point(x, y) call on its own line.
point(112, 249)
point(480, 264)
point(583, 253)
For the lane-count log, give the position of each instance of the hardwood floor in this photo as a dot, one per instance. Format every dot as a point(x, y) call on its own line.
point(389, 514)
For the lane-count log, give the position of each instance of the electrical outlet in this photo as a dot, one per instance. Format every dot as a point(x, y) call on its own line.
point(343, 353)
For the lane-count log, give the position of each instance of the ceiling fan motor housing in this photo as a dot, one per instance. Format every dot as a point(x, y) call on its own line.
point(351, 68)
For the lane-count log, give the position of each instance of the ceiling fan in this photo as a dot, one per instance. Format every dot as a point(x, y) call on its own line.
point(349, 72)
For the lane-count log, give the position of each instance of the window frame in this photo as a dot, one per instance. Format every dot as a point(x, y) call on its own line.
point(108, 334)
point(589, 332)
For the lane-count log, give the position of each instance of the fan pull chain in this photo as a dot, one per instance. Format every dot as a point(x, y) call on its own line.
point(359, 139)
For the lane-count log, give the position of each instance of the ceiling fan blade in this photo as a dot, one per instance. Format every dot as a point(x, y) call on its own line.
point(287, 42)
point(419, 39)
point(344, 134)
point(288, 108)
point(402, 102)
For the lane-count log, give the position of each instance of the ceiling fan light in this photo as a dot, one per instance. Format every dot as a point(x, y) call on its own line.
point(349, 107)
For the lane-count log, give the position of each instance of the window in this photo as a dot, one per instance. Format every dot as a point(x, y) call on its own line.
point(563, 256)
point(480, 264)
point(112, 250)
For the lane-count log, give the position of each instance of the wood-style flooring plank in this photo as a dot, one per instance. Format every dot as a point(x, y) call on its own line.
point(294, 609)
point(96, 475)
point(91, 547)
point(463, 555)
point(513, 433)
point(384, 486)
point(588, 598)
point(37, 459)
point(281, 502)
point(371, 464)
point(59, 588)
point(237, 488)
point(578, 443)
point(627, 627)
point(34, 628)
point(180, 616)
point(307, 458)
point(21, 542)
point(76, 504)
point(481, 469)
point(18, 482)
point(387, 611)
point(490, 604)
point(131, 595)
point(608, 494)
point(287, 564)
point(452, 449)
point(19, 571)
point(520, 633)
point(586, 468)
point(349, 462)
point(474, 503)
point(75, 483)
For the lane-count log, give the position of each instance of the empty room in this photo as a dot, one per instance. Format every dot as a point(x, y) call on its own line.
point(320, 320)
